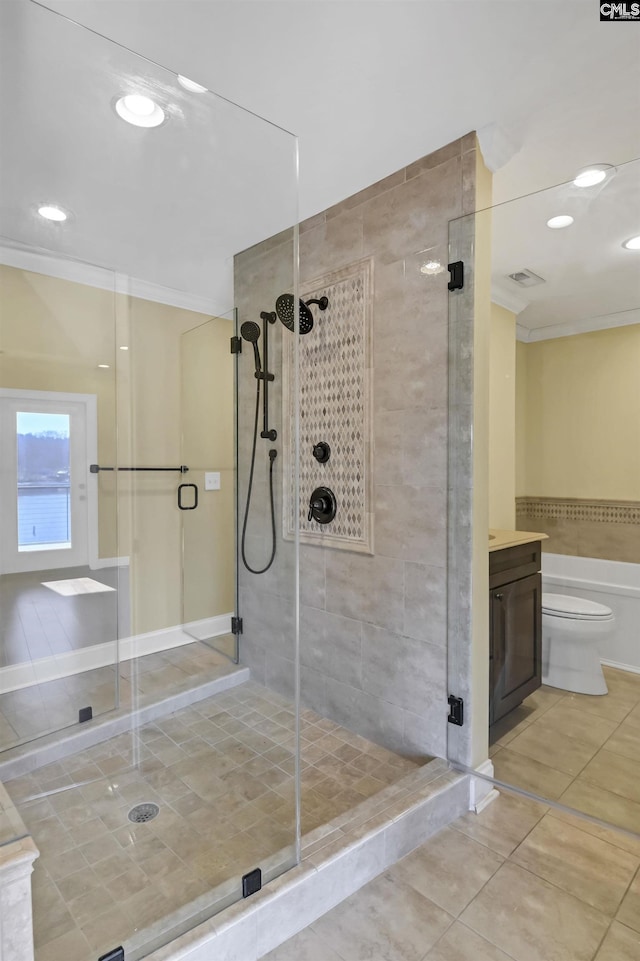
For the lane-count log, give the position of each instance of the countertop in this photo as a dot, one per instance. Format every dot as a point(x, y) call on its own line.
point(500, 539)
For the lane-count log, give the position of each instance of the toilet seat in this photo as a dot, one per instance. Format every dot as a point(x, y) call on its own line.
point(574, 608)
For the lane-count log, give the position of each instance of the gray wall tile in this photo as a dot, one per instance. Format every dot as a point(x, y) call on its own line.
point(331, 644)
point(411, 523)
point(403, 670)
point(425, 603)
point(374, 627)
point(366, 588)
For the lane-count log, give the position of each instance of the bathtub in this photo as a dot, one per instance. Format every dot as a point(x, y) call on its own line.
point(613, 583)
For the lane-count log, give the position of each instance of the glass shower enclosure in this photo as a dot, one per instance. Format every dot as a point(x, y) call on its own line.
point(156, 776)
point(544, 487)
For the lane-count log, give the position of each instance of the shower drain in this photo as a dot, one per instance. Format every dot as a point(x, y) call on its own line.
point(142, 813)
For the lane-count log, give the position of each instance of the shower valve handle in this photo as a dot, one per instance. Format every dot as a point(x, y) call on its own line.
point(322, 506)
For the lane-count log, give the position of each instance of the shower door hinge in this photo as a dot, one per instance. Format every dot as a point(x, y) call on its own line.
point(236, 625)
point(236, 345)
point(251, 882)
point(457, 710)
point(117, 954)
point(456, 269)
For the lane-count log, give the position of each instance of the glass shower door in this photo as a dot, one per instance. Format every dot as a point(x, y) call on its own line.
point(201, 789)
point(206, 495)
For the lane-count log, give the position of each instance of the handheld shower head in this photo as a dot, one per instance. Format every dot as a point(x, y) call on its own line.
point(251, 333)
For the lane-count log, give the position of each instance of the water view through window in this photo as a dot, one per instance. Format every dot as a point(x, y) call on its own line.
point(44, 515)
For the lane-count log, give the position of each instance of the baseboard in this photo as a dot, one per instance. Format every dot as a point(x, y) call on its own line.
point(15, 677)
point(481, 791)
point(208, 627)
point(631, 668)
point(98, 563)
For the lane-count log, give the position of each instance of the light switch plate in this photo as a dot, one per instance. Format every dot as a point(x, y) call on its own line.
point(212, 480)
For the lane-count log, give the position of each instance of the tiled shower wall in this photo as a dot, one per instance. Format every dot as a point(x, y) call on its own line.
point(373, 628)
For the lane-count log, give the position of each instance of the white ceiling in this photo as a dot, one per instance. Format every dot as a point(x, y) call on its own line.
point(367, 87)
point(590, 280)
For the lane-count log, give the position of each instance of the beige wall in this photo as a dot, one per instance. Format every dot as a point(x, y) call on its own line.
point(522, 392)
point(502, 419)
point(578, 402)
point(207, 444)
point(479, 748)
point(54, 335)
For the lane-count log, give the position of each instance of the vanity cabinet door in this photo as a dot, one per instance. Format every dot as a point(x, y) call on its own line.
point(516, 643)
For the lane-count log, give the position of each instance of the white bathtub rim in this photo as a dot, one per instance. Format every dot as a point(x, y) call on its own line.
point(594, 572)
point(596, 587)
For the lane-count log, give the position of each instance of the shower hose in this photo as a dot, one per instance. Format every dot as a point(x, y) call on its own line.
point(272, 457)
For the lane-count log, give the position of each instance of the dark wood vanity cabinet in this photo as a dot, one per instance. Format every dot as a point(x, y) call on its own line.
point(515, 632)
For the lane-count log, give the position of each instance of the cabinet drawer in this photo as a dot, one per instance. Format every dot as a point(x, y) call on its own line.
point(514, 563)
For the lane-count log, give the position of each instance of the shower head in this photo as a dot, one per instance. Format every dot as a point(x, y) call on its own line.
point(251, 332)
point(284, 310)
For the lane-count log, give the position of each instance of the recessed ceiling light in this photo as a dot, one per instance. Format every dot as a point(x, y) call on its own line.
point(632, 244)
point(139, 110)
point(51, 212)
point(191, 85)
point(556, 223)
point(104, 366)
point(124, 348)
point(590, 176)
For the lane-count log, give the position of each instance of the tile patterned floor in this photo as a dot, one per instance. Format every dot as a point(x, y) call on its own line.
point(222, 773)
point(578, 749)
point(518, 882)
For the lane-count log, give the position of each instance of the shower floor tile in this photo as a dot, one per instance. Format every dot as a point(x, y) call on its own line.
point(51, 706)
point(222, 773)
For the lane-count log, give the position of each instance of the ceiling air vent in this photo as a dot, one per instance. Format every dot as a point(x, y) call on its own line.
point(526, 278)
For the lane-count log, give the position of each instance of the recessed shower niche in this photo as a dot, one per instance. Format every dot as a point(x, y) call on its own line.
point(335, 361)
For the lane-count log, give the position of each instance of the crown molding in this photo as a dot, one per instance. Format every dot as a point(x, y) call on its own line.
point(81, 273)
point(507, 299)
point(624, 318)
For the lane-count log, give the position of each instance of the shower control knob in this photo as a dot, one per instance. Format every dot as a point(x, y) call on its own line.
point(322, 452)
point(322, 506)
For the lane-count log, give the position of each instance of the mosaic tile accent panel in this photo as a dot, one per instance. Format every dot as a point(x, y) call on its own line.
point(335, 406)
point(572, 509)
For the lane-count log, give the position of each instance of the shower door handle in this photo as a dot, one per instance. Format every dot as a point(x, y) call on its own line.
point(195, 497)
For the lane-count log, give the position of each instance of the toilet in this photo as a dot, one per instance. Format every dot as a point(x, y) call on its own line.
point(573, 630)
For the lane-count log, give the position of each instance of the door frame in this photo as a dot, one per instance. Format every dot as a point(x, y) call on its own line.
point(90, 402)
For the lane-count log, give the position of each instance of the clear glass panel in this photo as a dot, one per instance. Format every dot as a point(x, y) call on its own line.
point(268, 563)
point(543, 638)
point(61, 594)
point(168, 209)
